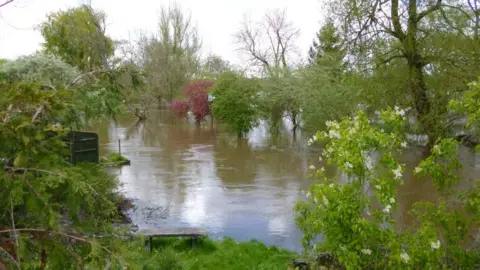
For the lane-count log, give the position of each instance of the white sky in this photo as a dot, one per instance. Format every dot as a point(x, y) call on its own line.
point(217, 20)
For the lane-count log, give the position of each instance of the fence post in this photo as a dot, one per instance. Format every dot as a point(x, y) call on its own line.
point(119, 148)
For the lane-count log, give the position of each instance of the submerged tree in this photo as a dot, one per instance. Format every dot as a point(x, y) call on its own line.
point(236, 102)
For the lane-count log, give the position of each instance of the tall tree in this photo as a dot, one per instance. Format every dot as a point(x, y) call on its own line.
point(78, 37)
point(327, 41)
point(414, 35)
point(270, 46)
point(213, 66)
point(171, 55)
point(269, 43)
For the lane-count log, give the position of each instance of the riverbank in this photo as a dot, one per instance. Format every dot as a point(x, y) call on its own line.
point(176, 254)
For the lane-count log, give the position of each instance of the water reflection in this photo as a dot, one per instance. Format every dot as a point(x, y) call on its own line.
point(183, 175)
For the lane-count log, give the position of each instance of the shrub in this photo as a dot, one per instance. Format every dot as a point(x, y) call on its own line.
point(361, 235)
point(236, 102)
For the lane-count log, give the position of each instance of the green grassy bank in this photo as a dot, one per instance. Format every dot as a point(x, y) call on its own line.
point(205, 253)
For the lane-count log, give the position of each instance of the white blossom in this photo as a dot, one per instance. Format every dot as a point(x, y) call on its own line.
point(320, 158)
point(334, 134)
point(330, 150)
point(308, 194)
point(348, 165)
point(405, 258)
point(387, 209)
point(378, 187)
point(397, 173)
point(314, 137)
point(435, 245)
point(325, 200)
point(418, 170)
point(404, 144)
point(315, 199)
point(322, 169)
point(392, 200)
point(312, 167)
point(331, 185)
point(366, 251)
point(310, 141)
point(399, 112)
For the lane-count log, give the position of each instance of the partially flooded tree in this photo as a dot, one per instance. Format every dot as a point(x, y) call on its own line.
point(171, 55)
point(270, 47)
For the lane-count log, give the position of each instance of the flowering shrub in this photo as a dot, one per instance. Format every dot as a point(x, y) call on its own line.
point(197, 100)
point(359, 230)
point(197, 94)
point(180, 108)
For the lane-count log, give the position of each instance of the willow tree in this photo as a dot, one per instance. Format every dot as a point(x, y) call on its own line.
point(419, 38)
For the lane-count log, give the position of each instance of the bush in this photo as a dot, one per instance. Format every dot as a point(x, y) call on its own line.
point(236, 102)
point(362, 235)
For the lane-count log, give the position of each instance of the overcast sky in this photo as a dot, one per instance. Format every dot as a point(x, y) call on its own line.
point(217, 20)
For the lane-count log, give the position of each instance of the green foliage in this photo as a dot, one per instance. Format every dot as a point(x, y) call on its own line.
point(78, 37)
point(39, 68)
point(171, 56)
point(114, 157)
point(469, 105)
point(323, 98)
point(50, 205)
point(360, 229)
point(206, 254)
point(328, 42)
point(236, 102)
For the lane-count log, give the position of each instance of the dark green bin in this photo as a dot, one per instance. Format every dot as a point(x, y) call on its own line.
point(83, 146)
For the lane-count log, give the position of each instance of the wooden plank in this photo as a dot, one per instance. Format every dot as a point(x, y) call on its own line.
point(173, 232)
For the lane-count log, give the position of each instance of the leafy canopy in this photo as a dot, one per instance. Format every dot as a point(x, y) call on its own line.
point(236, 102)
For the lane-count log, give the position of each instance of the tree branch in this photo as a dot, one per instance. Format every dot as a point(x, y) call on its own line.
point(396, 21)
point(428, 11)
point(33, 230)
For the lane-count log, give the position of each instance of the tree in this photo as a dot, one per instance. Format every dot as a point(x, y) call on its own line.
point(420, 36)
point(78, 37)
point(39, 68)
point(170, 58)
point(270, 43)
point(236, 102)
point(214, 66)
point(328, 41)
point(270, 46)
point(196, 93)
point(49, 207)
point(93, 93)
point(359, 227)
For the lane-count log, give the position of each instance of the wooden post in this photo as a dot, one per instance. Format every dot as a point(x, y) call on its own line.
point(119, 148)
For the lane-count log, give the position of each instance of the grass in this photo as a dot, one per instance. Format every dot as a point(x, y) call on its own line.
point(114, 158)
point(178, 254)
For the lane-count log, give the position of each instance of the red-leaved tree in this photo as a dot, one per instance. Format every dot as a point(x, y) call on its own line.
point(180, 108)
point(196, 93)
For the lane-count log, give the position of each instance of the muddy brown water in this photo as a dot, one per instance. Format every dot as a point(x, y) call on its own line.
point(182, 175)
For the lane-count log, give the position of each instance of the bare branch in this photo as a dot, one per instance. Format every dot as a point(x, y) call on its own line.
point(274, 30)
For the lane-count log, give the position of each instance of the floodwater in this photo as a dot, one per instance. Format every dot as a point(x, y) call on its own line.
point(182, 175)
